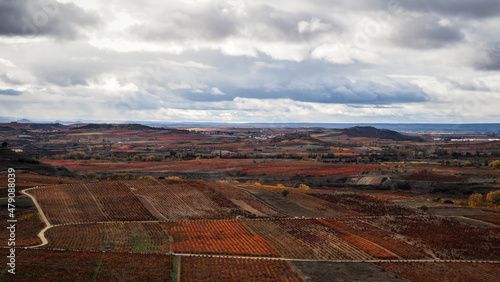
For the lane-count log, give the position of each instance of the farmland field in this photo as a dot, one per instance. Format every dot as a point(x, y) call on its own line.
point(90, 202)
point(28, 227)
point(444, 271)
point(221, 269)
point(345, 238)
point(248, 204)
point(136, 267)
point(447, 239)
point(46, 265)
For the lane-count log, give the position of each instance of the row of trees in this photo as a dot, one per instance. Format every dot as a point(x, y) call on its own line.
point(492, 199)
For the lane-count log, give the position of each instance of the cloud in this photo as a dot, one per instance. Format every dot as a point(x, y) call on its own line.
point(367, 60)
point(43, 17)
point(458, 8)
point(8, 79)
point(426, 33)
point(226, 21)
point(186, 22)
point(10, 92)
point(489, 58)
point(313, 25)
point(216, 91)
point(340, 91)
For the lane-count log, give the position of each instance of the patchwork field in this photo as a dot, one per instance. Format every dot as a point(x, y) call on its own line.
point(205, 230)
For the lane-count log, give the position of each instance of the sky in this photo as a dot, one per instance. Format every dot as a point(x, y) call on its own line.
point(331, 61)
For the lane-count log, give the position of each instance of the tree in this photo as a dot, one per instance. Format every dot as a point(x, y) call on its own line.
point(476, 200)
point(495, 164)
point(304, 187)
point(493, 199)
point(4, 144)
point(285, 192)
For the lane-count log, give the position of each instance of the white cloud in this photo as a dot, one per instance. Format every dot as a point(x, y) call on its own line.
point(444, 22)
point(216, 91)
point(313, 25)
point(232, 60)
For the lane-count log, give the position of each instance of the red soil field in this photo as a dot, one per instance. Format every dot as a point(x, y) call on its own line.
point(81, 237)
point(27, 228)
point(135, 267)
point(364, 204)
point(248, 166)
point(47, 265)
point(224, 237)
point(103, 166)
point(112, 236)
point(444, 271)
point(176, 199)
point(309, 238)
point(90, 202)
point(287, 245)
point(236, 269)
point(308, 168)
point(217, 237)
point(240, 197)
point(378, 236)
point(448, 239)
point(186, 199)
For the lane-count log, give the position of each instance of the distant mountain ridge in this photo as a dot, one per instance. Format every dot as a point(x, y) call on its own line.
point(372, 132)
point(109, 126)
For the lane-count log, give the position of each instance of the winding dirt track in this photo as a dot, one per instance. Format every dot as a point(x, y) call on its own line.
point(41, 234)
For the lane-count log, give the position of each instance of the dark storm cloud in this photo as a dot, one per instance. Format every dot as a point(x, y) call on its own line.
point(10, 92)
point(341, 91)
point(461, 8)
point(212, 22)
point(43, 17)
point(424, 33)
point(491, 59)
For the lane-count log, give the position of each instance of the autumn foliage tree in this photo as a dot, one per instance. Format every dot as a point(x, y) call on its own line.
point(304, 187)
point(495, 164)
point(476, 200)
point(493, 198)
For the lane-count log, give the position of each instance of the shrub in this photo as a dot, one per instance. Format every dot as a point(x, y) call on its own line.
point(304, 187)
point(285, 192)
point(493, 198)
point(424, 208)
point(476, 200)
point(495, 164)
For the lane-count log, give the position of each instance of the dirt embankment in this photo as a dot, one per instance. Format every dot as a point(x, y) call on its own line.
point(366, 180)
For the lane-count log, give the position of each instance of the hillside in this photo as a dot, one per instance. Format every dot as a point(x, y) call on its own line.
point(108, 126)
point(11, 159)
point(372, 132)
